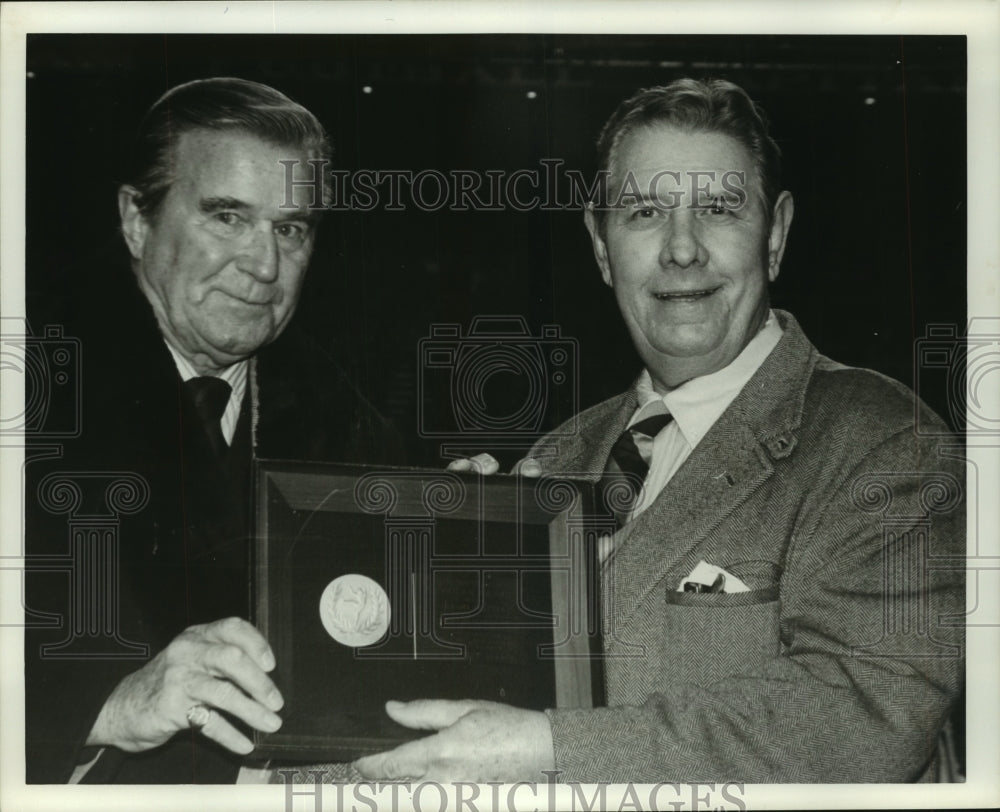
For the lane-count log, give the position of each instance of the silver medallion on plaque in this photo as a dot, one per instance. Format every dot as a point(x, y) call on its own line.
point(354, 610)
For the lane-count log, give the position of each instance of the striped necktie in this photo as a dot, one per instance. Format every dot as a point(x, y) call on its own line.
point(629, 460)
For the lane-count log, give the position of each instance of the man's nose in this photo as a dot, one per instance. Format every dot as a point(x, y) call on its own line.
point(259, 256)
point(682, 245)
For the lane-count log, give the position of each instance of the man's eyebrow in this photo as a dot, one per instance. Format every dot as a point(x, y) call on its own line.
point(303, 213)
point(645, 200)
point(309, 216)
point(210, 205)
point(637, 198)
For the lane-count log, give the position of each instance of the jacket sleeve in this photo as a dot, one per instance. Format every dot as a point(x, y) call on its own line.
point(59, 720)
point(871, 636)
point(65, 687)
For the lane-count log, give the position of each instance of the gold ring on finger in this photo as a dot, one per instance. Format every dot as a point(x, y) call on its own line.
point(198, 716)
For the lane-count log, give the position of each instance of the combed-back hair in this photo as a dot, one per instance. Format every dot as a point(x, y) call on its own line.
point(712, 105)
point(220, 104)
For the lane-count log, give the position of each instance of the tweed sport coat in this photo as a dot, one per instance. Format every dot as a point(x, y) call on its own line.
point(847, 522)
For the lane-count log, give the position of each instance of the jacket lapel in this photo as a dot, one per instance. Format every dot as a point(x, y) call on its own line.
point(733, 460)
point(585, 453)
point(721, 473)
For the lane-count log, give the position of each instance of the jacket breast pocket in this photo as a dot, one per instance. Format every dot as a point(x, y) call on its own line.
point(709, 636)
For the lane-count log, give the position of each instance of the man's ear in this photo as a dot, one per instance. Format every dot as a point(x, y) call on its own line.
point(134, 224)
point(600, 248)
point(781, 222)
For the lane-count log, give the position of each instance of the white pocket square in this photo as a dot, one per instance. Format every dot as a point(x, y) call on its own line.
point(705, 578)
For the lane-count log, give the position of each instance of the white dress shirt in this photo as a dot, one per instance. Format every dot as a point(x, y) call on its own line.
point(695, 405)
point(235, 376)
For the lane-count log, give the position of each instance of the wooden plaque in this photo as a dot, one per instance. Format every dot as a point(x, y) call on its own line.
point(390, 583)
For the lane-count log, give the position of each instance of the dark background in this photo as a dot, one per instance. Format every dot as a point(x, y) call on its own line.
point(873, 131)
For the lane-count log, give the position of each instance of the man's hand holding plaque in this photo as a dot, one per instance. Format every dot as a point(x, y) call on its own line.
point(475, 741)
point(487, 464)
point(215, 666)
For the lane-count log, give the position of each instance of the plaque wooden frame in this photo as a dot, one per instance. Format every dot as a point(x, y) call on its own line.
point(489, 590)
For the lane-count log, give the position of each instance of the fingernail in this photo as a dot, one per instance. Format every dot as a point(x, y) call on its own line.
point(529, 467)
point(268, 660)
point(274, 723)
point(393, 704)
point(275, 698)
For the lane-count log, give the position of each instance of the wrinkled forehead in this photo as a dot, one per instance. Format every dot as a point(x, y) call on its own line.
point(668, 160)
point(240, 165)
point(199, 144)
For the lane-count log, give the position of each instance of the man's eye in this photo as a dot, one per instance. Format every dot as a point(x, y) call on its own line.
point(645, 213)
point(291, 231)
point(717, 207)
point(227, 218)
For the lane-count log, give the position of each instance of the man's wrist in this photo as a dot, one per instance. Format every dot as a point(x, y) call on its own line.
point(102, 731)
point(98, 733)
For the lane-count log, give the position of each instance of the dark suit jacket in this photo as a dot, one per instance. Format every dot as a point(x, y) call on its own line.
point(183, 555)
point(841, 664)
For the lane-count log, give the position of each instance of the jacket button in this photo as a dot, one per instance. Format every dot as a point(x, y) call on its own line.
point(781, 446)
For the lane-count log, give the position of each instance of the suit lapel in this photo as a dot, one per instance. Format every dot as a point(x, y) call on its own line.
point(721, 473)
point(585, 454)
point(732, 461)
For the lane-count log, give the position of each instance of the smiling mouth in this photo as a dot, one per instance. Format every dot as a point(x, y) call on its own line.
point(250, 302)
point(684, 295)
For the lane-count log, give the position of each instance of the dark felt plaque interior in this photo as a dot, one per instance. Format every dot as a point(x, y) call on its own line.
point(490, 584)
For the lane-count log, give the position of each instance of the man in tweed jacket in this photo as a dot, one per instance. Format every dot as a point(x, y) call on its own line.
point(833, 651)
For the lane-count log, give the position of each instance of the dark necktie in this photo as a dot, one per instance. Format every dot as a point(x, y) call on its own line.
point(211, 396)
point(625, 454)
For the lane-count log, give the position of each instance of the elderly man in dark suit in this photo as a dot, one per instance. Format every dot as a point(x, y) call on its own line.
point(783, 600)
point(182, 386)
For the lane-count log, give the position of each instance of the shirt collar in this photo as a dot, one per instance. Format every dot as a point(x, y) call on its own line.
point(696, 404)
point(235, 374)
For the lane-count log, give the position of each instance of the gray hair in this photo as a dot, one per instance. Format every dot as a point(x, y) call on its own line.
point(713, 105)
point(215, 104)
